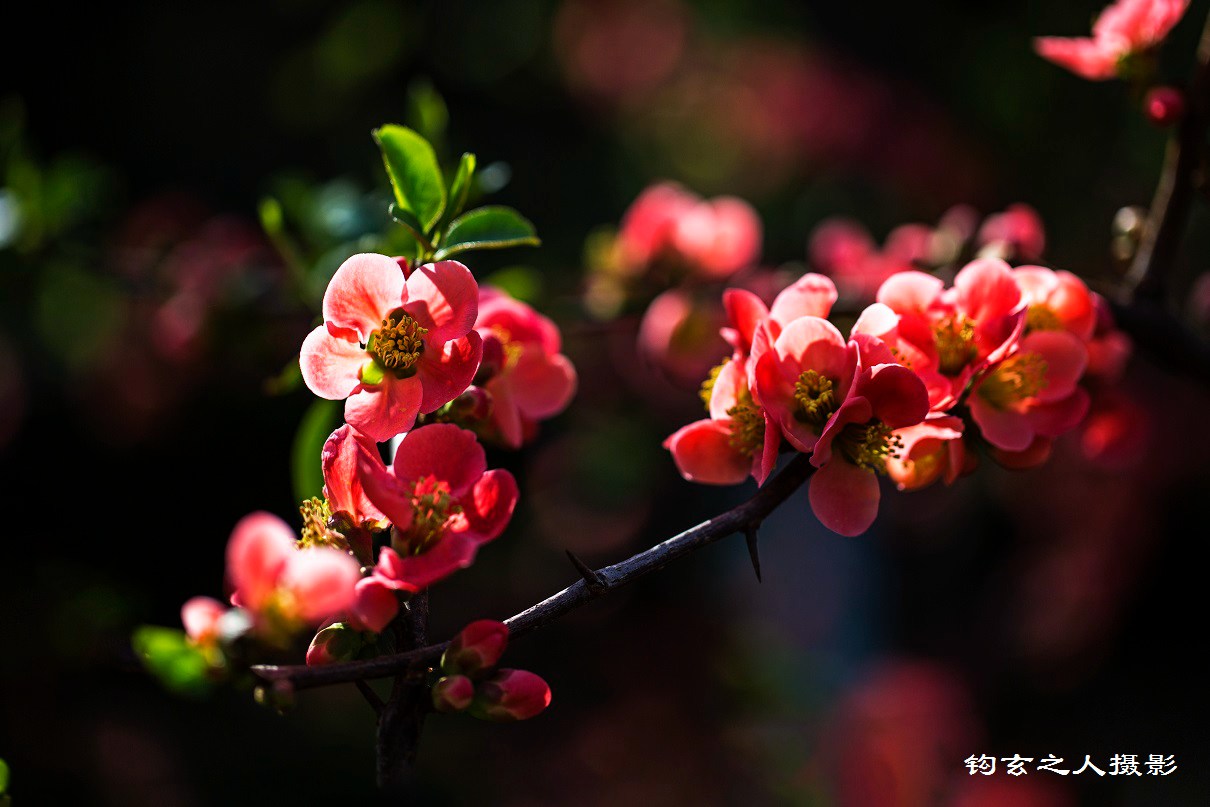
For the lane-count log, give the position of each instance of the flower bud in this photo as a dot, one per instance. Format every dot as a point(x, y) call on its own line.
point(510, 695)
point(375, 604)
point(1164, 106)
point(493, 358)
point(453, 693)
point(473, 406)
point(336, 642)
point(477, 648)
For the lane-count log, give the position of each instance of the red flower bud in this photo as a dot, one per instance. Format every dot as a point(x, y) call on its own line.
point(493, 358)
point(1164, 106)
point(453, 693)
point(510, 695)
point(474, 405)
point(477, 648)
point(336, 642)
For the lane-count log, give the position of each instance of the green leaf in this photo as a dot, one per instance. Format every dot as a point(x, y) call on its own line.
point(168, 655)
point(4, 777)
point(415, 175)
point(460, 186)
point(492, 227)
point(306, 470)
point(413, 225)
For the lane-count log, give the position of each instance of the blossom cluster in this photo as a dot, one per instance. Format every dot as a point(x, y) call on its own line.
point(927, 374)
point(424, 356)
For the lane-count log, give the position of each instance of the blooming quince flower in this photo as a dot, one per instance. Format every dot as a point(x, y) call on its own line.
point(811, 295)
point(1126, 28)
point(394, 347)
point(1031, 393)
point(679, 333)
point(929, 451)
point(859, 437)
point(200, 616)
point(532, 379)
point(738, 438)
point(1014, 234)
point(282, 586)
point(442, 502)
point(1056, 301)
point(844, 250)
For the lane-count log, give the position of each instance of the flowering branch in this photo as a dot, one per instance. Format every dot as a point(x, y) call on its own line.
point(743, 518)
point(1169, 210)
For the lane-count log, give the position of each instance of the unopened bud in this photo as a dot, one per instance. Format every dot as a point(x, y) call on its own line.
point(473, 406)
point(453, 693)
point(477, 648)
point(493, 358)
point(1164, 106)
point(336, 642)
point(510, 695)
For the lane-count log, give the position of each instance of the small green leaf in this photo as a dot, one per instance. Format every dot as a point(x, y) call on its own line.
point(413, 225)
point(461, 184)
point(415, 175)
point(168, 655)
point(4, 777)
point(317, 423)
point(492, 227)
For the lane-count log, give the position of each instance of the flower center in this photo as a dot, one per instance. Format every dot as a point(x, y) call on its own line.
point(1014, 380)
point(398, 344)
point(747, 425)
point(707, 390)
point(432, 508)
point(955, 340)
point(317, 516)
point(816, 398)
point(1039, 317)
point(868, 446)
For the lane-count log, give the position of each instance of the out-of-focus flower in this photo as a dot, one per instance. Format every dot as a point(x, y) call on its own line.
point(200, 616)
point(442, 502)
point(453, 693)
point(680, 334)
point(282, 586)
point(1123, 30)
point(1056, 301)
point(530, 379)
point(1015, 234)
point(844, 250)
point(510, 695)
point(1164, 106)
point(1117, 431)
point(333, 643)
point(394, 347)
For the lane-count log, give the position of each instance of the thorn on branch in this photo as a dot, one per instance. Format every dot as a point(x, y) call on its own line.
point(596, 584)
point(370, 695)
point(753, 548)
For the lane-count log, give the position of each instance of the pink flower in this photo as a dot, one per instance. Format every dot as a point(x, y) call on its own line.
point(1016, 233)
point(283, 586)
point(442, 502)
point(393, 347)
point(1033, 392)
point(346, 496)
point(812, 295)
point(375, 604)
point(200, 616)
point(713, 238)
point(845, 251)
point(929, 451)
point(533, 380)
point(1126, 28)
point(857, 440)
point(510, 695)
point(737, 439)
point(1056, 301)
point(680, 333)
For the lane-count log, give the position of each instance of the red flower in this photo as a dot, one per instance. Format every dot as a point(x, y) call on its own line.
point(533, 380)
point(393, 347)
point(1126, 28)
point(442, 502)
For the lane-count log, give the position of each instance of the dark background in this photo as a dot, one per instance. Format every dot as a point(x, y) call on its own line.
point(1054, 611)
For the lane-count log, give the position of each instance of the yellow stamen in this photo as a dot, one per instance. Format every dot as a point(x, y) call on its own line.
point(816, 398)
point(955, 340)
point(869, 446)
point(747, 425)
point(1039, 317)
point(1014, 380)
point(316, 530)
point(707, 390)
point(432, 508)
point(398, 344)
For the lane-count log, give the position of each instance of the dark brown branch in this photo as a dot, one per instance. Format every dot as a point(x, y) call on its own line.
point(411, 665)
point(1147, 279)
point(401, 720)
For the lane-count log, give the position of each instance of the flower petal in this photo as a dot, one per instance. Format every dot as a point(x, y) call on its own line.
point(445, 376)
point(444, 451)
point(744, 312)
point(702, 452)
point(385, 410)
point(342, 480)
point(375, 603)
point(1004, 428)
point(897, 395)
point(844, 497)
point(363, 291)
point(321, 580)
point(444, 298)
point(1065, 358)
point(505, 415)
point(331, 366)
point(260, 545)
point(542, 384)
point(385, 491)
point(910, 292)
point(812, 295)
point(490, 505)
